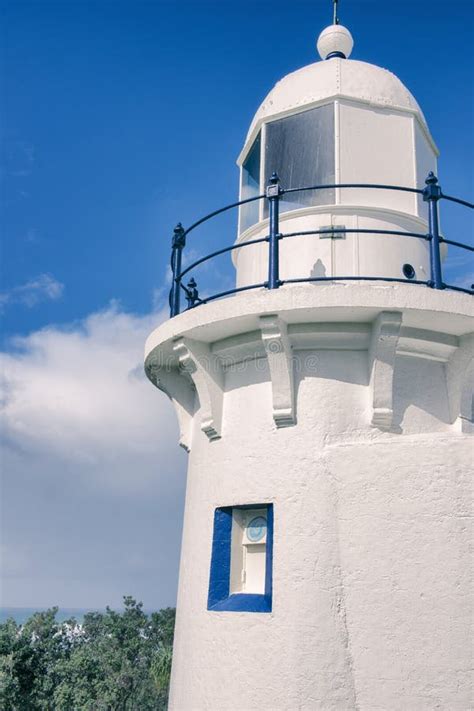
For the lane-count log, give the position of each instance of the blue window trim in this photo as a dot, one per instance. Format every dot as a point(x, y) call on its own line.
point(219, 581)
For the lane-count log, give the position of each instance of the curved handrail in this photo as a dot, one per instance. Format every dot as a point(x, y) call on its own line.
point(465, 203)
point(354, 185)
point(234, 291)
point(457, 244)
point(283, 191)
point(309, 280)
point(284, 235)
point(217, 253)
point(432, 194)
point(220, 211)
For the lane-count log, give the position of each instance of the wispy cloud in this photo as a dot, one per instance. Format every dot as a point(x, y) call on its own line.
point(91, 459)
point(42, 288)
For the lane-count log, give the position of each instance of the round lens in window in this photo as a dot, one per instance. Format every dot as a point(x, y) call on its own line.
point(256, 529)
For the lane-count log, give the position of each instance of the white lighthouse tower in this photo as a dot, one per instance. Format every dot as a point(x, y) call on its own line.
point(326, 405)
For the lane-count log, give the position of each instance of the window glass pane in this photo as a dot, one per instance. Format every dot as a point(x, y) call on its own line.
point(300, 148)
point(250, 186)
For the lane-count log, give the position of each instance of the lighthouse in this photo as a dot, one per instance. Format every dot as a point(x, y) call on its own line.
point(326, 405)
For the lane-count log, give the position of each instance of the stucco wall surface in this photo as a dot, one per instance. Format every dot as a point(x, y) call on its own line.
point(371, 602)
point(372, 596)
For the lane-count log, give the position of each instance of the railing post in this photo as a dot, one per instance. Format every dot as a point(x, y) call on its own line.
point(273, 195)
point(177, 245)
point(431, 195)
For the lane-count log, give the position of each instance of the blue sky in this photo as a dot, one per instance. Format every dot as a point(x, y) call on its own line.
point(121, 118)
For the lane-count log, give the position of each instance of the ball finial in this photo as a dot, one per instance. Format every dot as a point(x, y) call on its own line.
point(335, 41)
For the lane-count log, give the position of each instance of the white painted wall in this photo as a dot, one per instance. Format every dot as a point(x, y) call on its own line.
point(376, 146)
point(425, 161)
point(371, 547)
point(355, 254)
point(372, 603)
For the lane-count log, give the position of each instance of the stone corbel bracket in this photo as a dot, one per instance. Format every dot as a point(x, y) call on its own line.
point(278, 349)
point(382, 353)
point(466, 414)
point(196, 359)
point(181, 392)
point(459, 379)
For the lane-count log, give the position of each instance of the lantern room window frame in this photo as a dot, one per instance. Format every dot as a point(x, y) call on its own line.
point(420, 136)
point(261, 135)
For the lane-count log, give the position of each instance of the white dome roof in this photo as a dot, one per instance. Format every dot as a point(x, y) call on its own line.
point(334, 78)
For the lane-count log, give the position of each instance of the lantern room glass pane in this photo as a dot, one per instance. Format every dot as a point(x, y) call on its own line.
point(249, 214)
point(301, 150)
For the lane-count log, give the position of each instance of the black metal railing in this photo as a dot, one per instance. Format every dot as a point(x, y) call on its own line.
point(431, 194)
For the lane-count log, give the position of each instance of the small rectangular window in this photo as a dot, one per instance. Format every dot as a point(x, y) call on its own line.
point(241, 564)
point(249, 213)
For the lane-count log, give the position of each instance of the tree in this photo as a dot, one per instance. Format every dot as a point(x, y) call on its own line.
point(113, 661)
point(162, 632)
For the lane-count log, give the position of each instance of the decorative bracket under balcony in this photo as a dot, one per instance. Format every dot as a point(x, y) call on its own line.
point(458, 382)
point(180, 391)
point(278, 349)
point(196, 359)
point(382, 353)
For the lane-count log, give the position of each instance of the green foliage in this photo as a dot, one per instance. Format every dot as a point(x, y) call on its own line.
point(113, 661)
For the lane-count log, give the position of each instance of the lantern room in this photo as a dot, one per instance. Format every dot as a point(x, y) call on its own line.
point(337, 121)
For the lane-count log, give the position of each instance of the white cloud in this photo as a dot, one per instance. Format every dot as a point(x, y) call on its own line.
point(80, 393)
point(42, 288)
point(94, 477)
